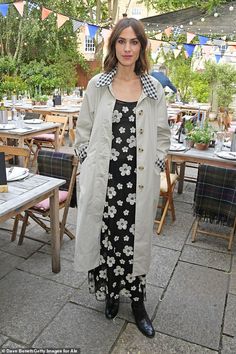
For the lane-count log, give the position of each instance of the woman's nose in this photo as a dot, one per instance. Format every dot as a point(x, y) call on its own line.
point(127, 46)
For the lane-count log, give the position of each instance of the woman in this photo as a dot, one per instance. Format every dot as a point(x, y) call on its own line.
point(123, 136)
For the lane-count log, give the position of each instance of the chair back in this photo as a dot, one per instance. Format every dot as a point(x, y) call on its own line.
point(59, 119)
point(60, 165)
point(11, 151)
point(31, 115)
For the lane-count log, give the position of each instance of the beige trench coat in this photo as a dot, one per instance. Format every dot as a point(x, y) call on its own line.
point(94, 125)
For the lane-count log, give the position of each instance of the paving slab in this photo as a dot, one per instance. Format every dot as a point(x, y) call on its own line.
point(77, 327)
point(41, 264)
point(8, 262)
point(84, 298)
point(13, 345)
point(174, 235)
point(228, 345)
point(132, 342)
point(213, 243)
point(232, 284)
point(230, 316)
point(67, 249)
point(193, 305)
point(28, 303)
point(25, 250)
point(3, 339)
point(162, 265)
point(207, 258)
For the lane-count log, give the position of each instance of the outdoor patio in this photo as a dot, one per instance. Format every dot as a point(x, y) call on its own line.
point(191, 295)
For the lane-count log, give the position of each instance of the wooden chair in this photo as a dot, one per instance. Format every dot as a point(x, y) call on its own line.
point(58, 165)
point(215, 201)
point(168, 182)
point(48, 140)
point(10, 153)
point(72, 135)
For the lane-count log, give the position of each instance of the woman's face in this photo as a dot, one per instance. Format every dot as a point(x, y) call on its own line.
point(127, 48)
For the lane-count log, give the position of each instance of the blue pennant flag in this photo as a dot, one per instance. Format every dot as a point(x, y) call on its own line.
point(189, 49)
point(4, 9)
point(218, 57)
point(92, 30)
point(203, 39)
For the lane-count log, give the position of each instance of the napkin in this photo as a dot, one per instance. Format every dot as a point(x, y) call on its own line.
point(15, 173)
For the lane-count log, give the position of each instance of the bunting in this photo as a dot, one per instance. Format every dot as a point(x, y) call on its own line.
point(76, 25)
point(168, 31)
point(203, 40)
point(45, 13)
point(217, 57)
point(61, 19)
point(92, 29)
point(4, 9)
point(190, 37)
point(189, 49)
point(20, 7)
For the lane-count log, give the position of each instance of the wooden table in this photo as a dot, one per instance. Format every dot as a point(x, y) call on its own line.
point(200, 108)
point(24, 194)
point(198, 156)
point(30, 130)
point(69, 110)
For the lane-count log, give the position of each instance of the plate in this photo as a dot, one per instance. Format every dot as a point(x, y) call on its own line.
point(177, 147)
point(7, 126)
point(227, 144)
point(229, 155)
point(33, 121)
point(16, 173)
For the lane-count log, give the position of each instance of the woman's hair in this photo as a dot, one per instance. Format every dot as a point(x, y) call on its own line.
point(142, 64)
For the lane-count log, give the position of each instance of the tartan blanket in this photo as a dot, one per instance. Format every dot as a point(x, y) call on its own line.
point(215, 195)
point(58, 165)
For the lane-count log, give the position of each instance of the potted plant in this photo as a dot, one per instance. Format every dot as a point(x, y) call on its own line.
point(39, 99)
point(202, 136)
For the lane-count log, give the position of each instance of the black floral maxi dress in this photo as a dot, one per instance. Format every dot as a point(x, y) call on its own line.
point(113, 277)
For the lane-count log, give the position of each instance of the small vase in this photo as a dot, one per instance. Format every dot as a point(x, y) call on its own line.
point(201, 146)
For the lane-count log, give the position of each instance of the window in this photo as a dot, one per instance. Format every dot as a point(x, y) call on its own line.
point(89, 44)
point(136, 11)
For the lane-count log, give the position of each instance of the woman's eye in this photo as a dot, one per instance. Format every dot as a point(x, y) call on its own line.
point(120, 41)
point(135, 42)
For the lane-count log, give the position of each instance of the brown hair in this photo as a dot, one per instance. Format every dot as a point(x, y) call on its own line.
point(142, 64)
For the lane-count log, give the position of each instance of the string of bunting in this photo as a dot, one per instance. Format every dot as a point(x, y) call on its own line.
point(219, 47)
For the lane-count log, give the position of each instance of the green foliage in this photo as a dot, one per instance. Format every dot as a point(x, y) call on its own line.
point(202, 134)
point(227, 86)
point(199, 87)
point(167, 5)
point(13, 85)
point(7, 65)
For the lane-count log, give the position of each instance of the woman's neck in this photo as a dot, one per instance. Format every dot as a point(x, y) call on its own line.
point(125, 73)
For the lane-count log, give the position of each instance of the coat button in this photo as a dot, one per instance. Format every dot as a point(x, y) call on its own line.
point(141, 168)
point(140, 149)
point(141, 131)
point(141, 186)
point(140, 113)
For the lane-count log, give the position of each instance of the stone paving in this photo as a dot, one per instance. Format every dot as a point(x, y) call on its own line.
point(191, 295)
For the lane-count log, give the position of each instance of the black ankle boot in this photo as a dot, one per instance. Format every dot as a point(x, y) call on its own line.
point(112, 307)
point(142, 320)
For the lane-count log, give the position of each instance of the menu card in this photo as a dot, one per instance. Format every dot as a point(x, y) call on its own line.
point(3, 177)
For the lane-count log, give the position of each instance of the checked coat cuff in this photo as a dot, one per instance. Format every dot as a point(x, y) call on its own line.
point(160, 163)
point(82, 152)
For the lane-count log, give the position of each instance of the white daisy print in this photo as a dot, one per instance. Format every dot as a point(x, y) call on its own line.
point(125, 292)
point(122, 130)
point(118, 140)
point(130, 278)
point(110, 176)
point(111, 192)
point(126, 212)
point(125, 149)
point(133, 288)
point(132, 229)
point(112, 211)
point(131, 141)
point(126, 238)
point(104, 227)
point(128, 251)
point(122, 224)
point(131, 118)
point(118, 270)
point(100, 295)
point(114, 154)
point(116, 116)
point(125, 169)
point(132, 130)
point(122, 261)
point(102, 274)
point(131, 198)
point(119, 186)
point(125, 109)
point(130, 157)
point(120, 202)
point(116, 238)
point(110, 261)
point(129, 185)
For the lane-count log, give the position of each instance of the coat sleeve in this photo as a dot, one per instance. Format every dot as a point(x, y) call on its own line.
point(84, 123)
point(163, 131)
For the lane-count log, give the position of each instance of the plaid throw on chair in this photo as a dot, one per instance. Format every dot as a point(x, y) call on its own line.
point(58, 165)
point(215, 195)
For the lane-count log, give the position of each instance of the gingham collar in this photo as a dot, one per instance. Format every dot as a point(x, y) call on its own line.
point(149, 89)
